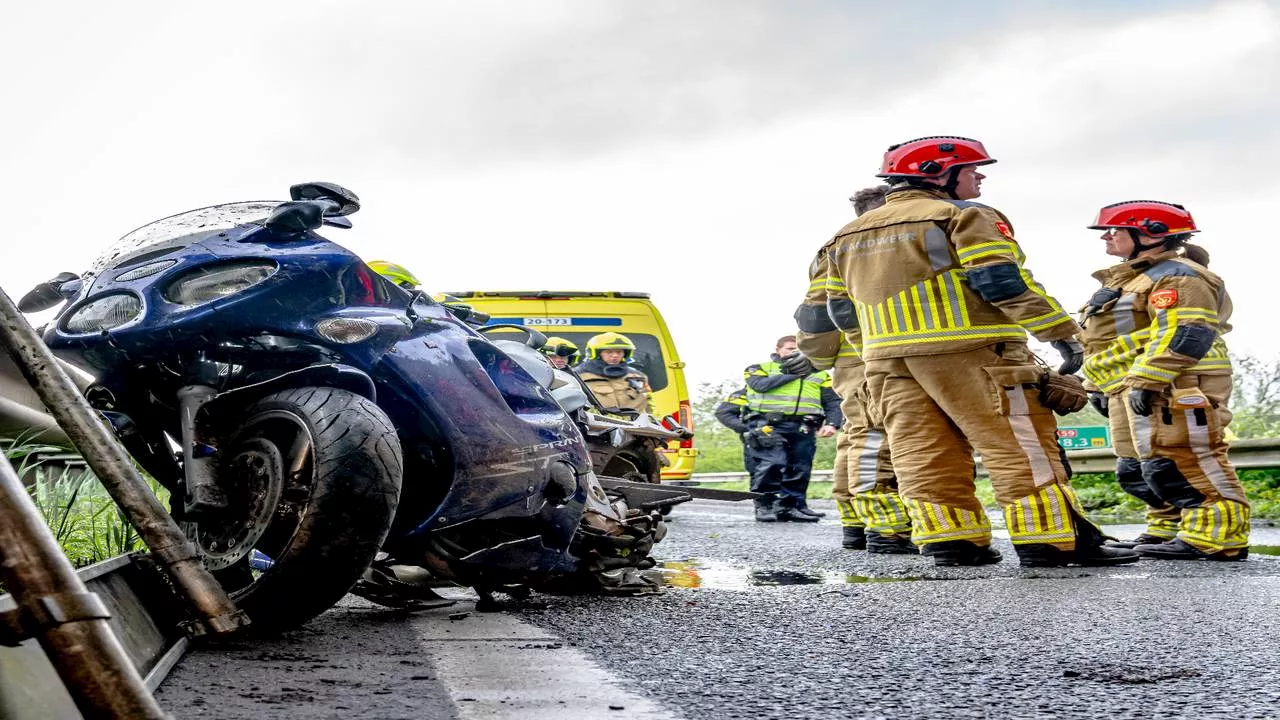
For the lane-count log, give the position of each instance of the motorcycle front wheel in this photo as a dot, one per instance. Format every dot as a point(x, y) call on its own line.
point(312, 476)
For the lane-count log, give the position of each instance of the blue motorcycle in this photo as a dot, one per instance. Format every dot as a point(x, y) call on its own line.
point(308, 416)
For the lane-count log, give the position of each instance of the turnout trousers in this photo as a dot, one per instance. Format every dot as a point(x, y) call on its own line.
point(939, 408)
point(1162, 518)
point(782, 467)
point(1184, 463)
point(864, 485)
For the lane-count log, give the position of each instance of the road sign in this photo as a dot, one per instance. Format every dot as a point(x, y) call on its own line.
point(1081, 438)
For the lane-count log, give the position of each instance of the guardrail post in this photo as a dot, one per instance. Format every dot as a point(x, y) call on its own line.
point(170, 548)
point(56, 608)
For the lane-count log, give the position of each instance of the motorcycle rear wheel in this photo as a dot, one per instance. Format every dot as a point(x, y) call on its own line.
point(341, 466)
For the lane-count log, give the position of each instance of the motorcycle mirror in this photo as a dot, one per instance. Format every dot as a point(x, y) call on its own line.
point(296, 217)
point(49, 293)
point(345, 201)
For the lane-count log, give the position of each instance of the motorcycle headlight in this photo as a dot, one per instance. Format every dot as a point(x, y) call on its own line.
point(345, 331)
point(105, 313)
point(218, 281)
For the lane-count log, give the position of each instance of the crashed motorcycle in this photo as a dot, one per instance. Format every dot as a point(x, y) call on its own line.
point(307, 415)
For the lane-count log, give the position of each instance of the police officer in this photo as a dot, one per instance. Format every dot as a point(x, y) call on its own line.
point(731, 412)
point(937, 285)
point(1157, 366)
point(615, 382)
point(560, 352)
point(784, 413)
point(864, 486)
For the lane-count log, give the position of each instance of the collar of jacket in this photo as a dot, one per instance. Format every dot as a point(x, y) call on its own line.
point(1131, 268)
point(913, 192)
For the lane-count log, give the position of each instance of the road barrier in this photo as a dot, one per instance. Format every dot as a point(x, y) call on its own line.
point(1262, 453)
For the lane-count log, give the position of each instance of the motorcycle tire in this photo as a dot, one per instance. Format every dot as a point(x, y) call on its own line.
point(334, 512)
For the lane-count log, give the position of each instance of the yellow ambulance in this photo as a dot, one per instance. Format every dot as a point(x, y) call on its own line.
point(576, 316)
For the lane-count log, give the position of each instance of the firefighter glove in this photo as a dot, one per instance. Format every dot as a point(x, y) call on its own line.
point(1099, 402)
point(797, 363)
point(1063, 394)
point(1140, 401)
point(1072, 353)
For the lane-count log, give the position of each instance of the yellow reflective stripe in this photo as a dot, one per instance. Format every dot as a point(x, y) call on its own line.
point(834, 283)
point(980, 331)
point(952, 310)
point(994, 247)
point(1047, 320)
point(962, 312)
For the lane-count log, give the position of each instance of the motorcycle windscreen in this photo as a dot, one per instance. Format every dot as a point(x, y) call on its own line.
point(165, 235)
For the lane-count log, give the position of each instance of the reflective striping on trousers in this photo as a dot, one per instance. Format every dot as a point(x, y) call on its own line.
point(869, 462)
point(883, 512)
point(1045, 517)
point(1209, 465)
point(1223, 525)
point(1028, 438)
point(931, 522)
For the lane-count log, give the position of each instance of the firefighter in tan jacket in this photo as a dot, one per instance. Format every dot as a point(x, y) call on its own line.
point(616, 383)
point(937, 286)
point(864, 486)
point(1158, 368)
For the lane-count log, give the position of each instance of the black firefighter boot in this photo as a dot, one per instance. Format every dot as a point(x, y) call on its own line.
point(1179, 549)
point(878, 544)
point(952, 553)
point(1143, 539)
point(853, 537)
point(1091, 550)
point(766, 509)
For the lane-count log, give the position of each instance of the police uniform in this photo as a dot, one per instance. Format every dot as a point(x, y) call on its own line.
point(730, 412)
point(939, 289)
point(783, 412)
point(1157, 323)
point(864, 485)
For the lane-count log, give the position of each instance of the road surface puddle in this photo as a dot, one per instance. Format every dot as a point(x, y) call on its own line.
point(723, 576)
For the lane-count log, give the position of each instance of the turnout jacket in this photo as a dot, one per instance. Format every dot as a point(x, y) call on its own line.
point(769, 390)
point(1154, 319)
point(818, 338)
point(617, 387)
point(928, 275)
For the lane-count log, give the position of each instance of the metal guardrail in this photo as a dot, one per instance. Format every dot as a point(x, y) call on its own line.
point(1263, 453)
point(143, 618)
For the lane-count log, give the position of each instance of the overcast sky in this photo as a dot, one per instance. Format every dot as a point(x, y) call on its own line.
point(701, 151)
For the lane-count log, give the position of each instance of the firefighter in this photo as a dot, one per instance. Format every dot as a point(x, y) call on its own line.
point(731, 413)
point(864, 486)
point(785, 412)
point(397, 274)
point(608, 372)
point(937, 286)
point(561, 353)
point(1157, 366)
point(401, 276)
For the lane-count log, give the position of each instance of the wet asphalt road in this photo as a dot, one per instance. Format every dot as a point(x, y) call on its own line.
point(894, 637)
point(777, 621)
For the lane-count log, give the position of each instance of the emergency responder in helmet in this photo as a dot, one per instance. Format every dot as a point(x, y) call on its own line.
point(1156, 365)
point(937, 286)
point(401, 276)
point(560, 352)
point(865, 489)
point(608, 372)
point(785, 411)
point(397, 274)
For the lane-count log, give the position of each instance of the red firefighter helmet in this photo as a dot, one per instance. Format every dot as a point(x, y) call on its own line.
point(932, 156)
point(1149, 217)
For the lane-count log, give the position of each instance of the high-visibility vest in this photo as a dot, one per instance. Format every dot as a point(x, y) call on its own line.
point(802, 396)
